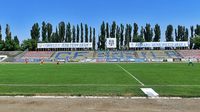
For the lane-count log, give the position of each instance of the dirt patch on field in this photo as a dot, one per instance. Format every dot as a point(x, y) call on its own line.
point(98, 105)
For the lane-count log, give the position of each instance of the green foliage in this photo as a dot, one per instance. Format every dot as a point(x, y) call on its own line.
point(113, 30)
point(90, 34)
point(8, 33)
point(122, 33)
point(74, 34)
point(157, 33)
point(55, 36)
point(0, 34)
point(117, 36)
point(10, 45)
point(135, 32)
point(17, 44)
point(81, 32)
point(121, 36)
point(2, 45)
point(68, 33)
point(192, 31)
point(197, 30)
point(30, 44)
point(49, 32)
point(94, 39)
point(44, 32)
point(102, 37)
point(1, 41)
point(35, 32)
point(148, 33)
point(61, 32)
point(196, 42)
point(182, 34)
point(77, 33)
point(107, 31)
point(86, 33)
point(128, 32)
point(141, 37)
point(169, 33)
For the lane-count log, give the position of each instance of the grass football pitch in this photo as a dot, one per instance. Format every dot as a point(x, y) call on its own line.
point(116, 79)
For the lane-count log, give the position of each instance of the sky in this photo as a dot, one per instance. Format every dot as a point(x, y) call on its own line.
point(22, 14)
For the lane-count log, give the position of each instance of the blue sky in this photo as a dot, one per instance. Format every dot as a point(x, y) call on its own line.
point(22, 14)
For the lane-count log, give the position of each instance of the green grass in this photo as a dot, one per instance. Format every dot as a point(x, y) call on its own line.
point(168, 79)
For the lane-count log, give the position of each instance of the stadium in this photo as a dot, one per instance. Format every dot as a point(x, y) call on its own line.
point(117, 70)
point(101, 73)
point(99, 56)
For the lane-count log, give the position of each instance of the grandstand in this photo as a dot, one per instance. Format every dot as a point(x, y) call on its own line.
point(100, 56)
point(3, 57)
point(189, 54)
point(9, 56)
point(37, 56)
point(74, 56)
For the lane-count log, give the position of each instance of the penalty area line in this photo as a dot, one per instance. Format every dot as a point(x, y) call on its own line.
point(131, 75)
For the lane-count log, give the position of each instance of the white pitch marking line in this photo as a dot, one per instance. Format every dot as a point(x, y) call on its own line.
point(65, 85)
point(106, 85)
point(131, 75)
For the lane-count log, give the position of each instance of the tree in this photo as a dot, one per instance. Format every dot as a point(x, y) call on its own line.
point(2, 45)
point(148, 33)
point(90, 34)
point(49, 32)
point(121, 35)
point(141, 37)
point(113, 30)
point(196, 41)
point(107, 31)
point(168, 33)
point(81, 33)
point(16, 42)
point(9, 42)
point(55, 36)
point(35, 32)
point(192, 36)
point(8, 33)
point(1, 41)
point(126, 36)
point(103, 36)
point(29, 44)
point(197, 30)
point(135, 32)
point(182, 34)
point(157, 33)
point(99, 43)
point(192, 31)
point(186, 35)
point(86, 33)
point(10, 45)
point(0, 34)
point(74, 34)
point(68, 33)
point(61, 33)
point(128, 31)
point(77, 33)
point(44, 32)
point(176, 35)
point(94, 39)
point(117, 36)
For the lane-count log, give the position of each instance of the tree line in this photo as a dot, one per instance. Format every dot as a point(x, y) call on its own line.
point(66, 32)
